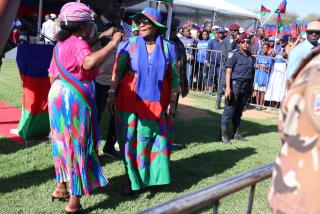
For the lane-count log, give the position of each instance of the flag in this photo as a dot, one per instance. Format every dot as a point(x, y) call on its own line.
point(282, 7)
point(264, 11)
point(33, 62)
point(279, 21)
point(294, 27)
point(304, 25)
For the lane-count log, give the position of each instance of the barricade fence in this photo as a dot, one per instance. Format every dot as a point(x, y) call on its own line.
point(211, 195)
point(204, 70)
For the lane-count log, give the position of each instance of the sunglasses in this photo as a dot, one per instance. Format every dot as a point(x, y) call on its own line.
point(247, 41)
point(144, 21)
point(313, 31)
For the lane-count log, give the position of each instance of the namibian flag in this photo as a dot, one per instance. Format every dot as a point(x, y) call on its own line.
point(280, 24)
point(282, 7)
point(264, 11)
point(33, 63)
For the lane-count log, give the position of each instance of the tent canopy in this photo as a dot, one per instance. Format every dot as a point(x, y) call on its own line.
point(219, 6)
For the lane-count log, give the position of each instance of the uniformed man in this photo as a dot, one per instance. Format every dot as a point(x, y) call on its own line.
point(296, 175)
point(229, 43)
point(239, 75)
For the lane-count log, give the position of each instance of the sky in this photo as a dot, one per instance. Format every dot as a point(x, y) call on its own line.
point(301, 7)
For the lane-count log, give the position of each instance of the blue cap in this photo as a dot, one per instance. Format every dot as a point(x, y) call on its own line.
point(284, 37)
point(221, 30)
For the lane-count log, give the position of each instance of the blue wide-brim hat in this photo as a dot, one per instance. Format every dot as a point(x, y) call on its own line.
point(153, 15)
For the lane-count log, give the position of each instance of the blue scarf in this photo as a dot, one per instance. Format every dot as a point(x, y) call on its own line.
point(150, 78)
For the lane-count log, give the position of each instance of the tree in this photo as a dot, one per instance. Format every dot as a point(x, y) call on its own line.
point(312, 17)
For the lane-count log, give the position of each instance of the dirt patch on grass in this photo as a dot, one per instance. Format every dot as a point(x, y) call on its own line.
point(255, 114)
point(187, 109)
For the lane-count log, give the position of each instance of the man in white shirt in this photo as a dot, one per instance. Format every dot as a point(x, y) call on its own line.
point(303, 49)
point(48, 29)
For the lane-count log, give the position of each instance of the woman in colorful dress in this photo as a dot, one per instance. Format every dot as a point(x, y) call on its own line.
point(144, 89)
point(74, 132)
point(261, 78)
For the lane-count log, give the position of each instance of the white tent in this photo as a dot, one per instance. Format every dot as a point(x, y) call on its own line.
point(219, 6)
point(221, 12)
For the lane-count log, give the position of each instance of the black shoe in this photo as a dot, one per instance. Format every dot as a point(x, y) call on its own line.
point(218, 107)
point(176, 147)
point(240, 138)
point(111, 152)
point(225, 140)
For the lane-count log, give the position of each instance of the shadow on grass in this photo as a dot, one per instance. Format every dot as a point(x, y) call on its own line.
point(26, 180)
point(206, 128)
point(8, 146)
point(194, 169)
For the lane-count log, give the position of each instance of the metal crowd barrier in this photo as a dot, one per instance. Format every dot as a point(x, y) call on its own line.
point(205, 77)
point(211, 195)
point(201, 75)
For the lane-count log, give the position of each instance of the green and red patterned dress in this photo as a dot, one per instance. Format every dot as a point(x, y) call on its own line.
point(143, 127)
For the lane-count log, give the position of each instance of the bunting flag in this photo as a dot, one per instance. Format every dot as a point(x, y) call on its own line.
point(33, 62)
point(282, 7)
point(294, 27)
point(264, 11)
point(280, 24)
point(303, 27)
point(270, 30)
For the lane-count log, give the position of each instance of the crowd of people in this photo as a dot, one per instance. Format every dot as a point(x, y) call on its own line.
point(204, 59)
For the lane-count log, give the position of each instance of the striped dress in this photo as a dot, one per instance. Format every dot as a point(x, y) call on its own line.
point(143, 127)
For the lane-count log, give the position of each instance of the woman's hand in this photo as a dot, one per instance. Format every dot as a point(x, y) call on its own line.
point(171, 110)
point(116, 38)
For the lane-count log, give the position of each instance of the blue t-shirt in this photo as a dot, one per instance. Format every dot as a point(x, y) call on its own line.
point(201, 53)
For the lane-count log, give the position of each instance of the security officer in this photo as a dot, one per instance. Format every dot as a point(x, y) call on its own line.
point(239, 75)
point(229, 43)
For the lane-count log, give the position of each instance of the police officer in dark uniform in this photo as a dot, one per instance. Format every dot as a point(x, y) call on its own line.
point(229, 43)
point(239, 74)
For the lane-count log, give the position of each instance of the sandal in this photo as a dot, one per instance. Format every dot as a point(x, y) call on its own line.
point(77, 211)
point(60, 194)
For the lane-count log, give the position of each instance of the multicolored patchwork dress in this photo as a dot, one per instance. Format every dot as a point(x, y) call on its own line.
point(74, 132)
point(143, 126)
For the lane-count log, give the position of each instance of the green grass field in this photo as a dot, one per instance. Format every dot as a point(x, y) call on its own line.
point(27, 172)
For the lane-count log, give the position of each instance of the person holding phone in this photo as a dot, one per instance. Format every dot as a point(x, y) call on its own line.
point(239, 74)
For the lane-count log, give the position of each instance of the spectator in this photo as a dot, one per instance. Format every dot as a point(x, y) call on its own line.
point(48, 29)
point(189, 43)
point(181, 58)
point(215, 61)
point(302, 50)
point(263, 67)
point(214, 32)
point(201, 69)
point(277, 83)
point(257, 41)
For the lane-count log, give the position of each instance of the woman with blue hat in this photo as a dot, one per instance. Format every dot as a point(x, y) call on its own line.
point(144, 88)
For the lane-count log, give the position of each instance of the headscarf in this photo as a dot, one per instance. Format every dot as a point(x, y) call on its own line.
point(75, 11)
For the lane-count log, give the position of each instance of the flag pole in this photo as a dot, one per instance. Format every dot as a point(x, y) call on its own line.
point(267, 19)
